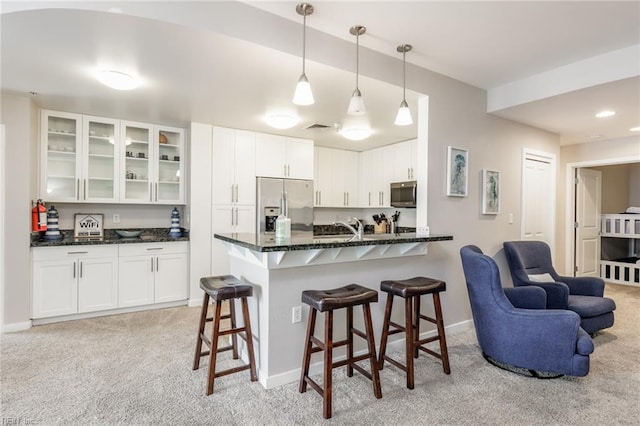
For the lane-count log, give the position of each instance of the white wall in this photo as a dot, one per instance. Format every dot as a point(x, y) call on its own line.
point(20, 119)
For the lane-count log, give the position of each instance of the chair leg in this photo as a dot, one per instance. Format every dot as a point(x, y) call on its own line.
point(306, 357)
point(409, 346)
point(350, 341)
point(249, 335)
point(375, 375)
point(328, 364)
point(234, 338)
point(203, 320)
point(385, 331)
point(443, 341)
point(416, 325)
point(213, 352)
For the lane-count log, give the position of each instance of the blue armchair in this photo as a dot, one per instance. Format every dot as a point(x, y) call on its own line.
point(513, 327)
point(530, 264)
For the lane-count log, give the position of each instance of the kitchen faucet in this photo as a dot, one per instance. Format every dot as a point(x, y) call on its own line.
point(357, 233)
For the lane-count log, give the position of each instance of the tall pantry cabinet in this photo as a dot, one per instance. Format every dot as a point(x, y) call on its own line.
point(233, 187)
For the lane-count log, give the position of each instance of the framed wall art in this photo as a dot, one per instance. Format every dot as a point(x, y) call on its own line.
point(88, 226)
point(457, 172)
point(490, 192)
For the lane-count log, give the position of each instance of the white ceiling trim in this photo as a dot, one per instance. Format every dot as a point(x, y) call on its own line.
point(601, 69)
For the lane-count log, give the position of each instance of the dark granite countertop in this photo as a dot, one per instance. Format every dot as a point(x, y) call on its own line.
point(149, 235)
point(268, 243)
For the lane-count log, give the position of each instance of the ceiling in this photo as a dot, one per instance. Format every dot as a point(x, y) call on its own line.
point(223, 62)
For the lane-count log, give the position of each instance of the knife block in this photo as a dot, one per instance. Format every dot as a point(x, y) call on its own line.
point(381, 228)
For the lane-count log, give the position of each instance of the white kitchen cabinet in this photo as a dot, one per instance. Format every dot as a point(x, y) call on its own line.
point(136, 170)
point(168, 157)
point(74, 279)
point(228, 219)
point(336, 178)
point(404, 160)
point(234, 176)
point(152, 273)
point(95, 159)
point(376, 174)
point(60, 156)
point(79, 158)
point(282, 157)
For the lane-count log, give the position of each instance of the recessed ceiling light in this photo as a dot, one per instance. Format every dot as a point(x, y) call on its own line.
point(635, 129)
point(605, 113)
point(281, 121)
point(117, 80)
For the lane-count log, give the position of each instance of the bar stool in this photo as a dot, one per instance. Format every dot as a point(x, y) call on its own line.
point(411, 290)
point(221, 288)
point(327, 301)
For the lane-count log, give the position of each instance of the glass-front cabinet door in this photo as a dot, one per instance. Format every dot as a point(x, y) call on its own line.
point(136, 165)
point(169, 165)
point(100, 160)
point(61, 153)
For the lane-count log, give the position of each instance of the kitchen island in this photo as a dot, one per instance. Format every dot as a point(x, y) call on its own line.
point(281, 270)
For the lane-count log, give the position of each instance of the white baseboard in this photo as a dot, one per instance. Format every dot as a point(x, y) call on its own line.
point(317, 368)
point(16, 326)
point(50, 320)
point(192, 303)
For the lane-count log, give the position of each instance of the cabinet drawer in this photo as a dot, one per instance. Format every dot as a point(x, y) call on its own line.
point(73, 252)
point(143, 249)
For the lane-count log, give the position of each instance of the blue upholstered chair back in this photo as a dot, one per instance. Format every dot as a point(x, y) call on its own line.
point(528, 258)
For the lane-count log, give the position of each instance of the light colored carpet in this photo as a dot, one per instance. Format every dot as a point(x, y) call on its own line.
point(135, 369)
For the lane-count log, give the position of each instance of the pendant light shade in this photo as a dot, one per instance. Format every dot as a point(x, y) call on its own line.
point(403, 118)
point(303, 94)
point(356, 104)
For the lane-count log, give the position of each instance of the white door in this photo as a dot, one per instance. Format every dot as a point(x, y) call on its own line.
point(538, 199)
point(97, 284)
point(587, 229)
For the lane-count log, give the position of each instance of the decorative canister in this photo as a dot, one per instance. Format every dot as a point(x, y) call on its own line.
point(175, 230)
point(53, 231)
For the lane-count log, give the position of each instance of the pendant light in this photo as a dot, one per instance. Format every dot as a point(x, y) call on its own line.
point(356, 104)
point(404, 114)
point(303, 94)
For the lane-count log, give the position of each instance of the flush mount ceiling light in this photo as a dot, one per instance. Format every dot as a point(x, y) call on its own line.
point(303, 94)
point(605, 113)
point(403, 118)
point(355, 128)
point(356, 104)
point(281, 121)
point(117, 80)
point(635, 129)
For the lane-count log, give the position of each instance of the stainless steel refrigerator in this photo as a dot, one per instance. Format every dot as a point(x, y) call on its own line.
point(293, 197)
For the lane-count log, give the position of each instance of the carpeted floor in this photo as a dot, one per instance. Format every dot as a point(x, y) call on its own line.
point(135, 369)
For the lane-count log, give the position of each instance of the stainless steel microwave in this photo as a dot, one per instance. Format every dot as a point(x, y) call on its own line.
point(403, 194)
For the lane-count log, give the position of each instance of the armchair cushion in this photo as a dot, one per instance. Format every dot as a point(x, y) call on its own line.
point(589, 306)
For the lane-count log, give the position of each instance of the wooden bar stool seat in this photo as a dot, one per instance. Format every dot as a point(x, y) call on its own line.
point(219, 289)
point(411, 290)
point(327, 301)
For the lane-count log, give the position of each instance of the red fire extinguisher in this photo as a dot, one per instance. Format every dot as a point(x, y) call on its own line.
point(39, 217)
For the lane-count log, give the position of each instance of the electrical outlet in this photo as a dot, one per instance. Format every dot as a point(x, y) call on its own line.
point(116, 218)
point(510, 218)
point(296, 314)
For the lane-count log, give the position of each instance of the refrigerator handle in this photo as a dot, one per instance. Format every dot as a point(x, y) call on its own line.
point(284, 204)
